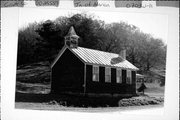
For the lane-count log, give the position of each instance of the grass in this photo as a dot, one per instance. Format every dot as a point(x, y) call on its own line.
point(36, 88)
point(33, 88)
point(153, 89)
point(44, 88)
point(34, 73)
point(32, 96)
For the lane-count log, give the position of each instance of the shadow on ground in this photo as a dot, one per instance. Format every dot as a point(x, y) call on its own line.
point(68, 100)
point(87, 101)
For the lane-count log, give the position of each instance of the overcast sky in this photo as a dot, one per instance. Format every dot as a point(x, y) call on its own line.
point(154, 24)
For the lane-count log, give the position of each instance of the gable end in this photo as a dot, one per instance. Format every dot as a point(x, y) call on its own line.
point(61, 53)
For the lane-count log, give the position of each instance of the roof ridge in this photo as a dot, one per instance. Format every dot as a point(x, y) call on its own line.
point(98, 50)
point(102, 58)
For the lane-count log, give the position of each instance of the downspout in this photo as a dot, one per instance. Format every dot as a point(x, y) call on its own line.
point(84, 79)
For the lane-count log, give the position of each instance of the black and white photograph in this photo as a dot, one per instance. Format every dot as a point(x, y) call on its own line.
point(90, 61)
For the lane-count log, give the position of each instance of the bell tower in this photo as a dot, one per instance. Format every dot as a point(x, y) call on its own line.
point(71, 39)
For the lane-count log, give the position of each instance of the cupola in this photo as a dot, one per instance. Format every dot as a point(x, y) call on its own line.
point(71, 39)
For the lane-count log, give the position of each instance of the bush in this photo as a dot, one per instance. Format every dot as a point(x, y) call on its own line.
point(138, 101)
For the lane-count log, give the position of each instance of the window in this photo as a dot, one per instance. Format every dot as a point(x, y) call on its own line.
point(129, 79)
point(108, 75)
point(118, 76)
point(95, 73)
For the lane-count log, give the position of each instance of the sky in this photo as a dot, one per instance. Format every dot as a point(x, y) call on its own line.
point(154, 24)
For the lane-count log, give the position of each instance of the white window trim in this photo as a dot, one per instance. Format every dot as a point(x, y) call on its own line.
point(120, 75)
point(95, 74)
point(109, 74)
point(129, 74)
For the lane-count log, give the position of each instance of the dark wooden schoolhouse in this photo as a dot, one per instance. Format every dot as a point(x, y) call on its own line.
point(82, 70)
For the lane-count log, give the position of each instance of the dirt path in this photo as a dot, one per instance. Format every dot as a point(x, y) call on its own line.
point(45, 106)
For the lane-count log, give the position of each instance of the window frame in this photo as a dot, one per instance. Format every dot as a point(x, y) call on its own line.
point(107, 74)
point(119, 75)
point(95, 73)
point(129, 76)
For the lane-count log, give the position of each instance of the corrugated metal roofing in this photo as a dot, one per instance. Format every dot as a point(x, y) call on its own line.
point(102, 58)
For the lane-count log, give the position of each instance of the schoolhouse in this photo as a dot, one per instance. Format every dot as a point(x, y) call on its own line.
point(82, 70)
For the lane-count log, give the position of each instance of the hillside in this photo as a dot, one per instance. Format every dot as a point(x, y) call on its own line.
point(33, 87)
point(34, 73)
point(35, 78)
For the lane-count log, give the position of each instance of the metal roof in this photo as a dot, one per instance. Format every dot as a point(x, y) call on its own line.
point(102, 58)
point(140, 76)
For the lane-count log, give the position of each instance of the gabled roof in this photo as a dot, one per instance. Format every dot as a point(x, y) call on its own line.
point(98, 58)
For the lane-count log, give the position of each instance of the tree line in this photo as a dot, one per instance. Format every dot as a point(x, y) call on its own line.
point(42, 41)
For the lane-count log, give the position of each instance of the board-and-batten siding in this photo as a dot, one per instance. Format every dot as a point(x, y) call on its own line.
point(113, 87)
point(66, 78)
point(88, 77)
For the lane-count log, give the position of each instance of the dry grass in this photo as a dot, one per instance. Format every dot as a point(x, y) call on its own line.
point(153, 90)
point(32, 96)
point(36, 88)
point(33, 88)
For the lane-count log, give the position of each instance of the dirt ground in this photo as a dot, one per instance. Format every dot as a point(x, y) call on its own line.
point(46, 106)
